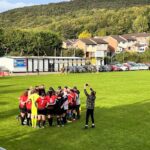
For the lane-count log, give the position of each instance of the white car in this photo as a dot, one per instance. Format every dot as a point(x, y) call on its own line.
point(122, 67)
point(143, 67)
point(134, 67)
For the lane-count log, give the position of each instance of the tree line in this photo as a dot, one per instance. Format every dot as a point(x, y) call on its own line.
point(129, 56)
point(69, 25)
point(23, 43)
point(40, 30)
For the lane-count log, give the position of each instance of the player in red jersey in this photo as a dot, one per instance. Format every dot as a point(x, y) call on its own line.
point(22, 105)
point(41, 105)
point(72, 104)
point(28, 106)
point(51, 101)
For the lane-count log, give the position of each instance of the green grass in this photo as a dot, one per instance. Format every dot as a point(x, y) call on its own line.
point(122, 114)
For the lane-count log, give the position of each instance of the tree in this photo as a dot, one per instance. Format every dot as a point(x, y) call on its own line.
point(127, 56)
point(85, 34)
point(134, 56)
point(2, 49)
point(44, 43)
point(101, 32)
point(73, 52)
point(68, 30)
point(31, 43)
point(140, 24)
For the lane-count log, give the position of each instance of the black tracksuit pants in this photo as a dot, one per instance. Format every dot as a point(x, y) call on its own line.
point(89, 112)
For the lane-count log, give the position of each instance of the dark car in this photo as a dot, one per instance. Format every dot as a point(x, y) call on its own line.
point(105, 68)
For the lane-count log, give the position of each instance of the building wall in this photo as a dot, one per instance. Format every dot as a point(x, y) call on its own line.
point(79, 44)
point(6, 62)
point(42, 64)
point(113, 44)
point(128, 45)
point(99, 47)
point(102, 47)
point(143, 40)
point(64, 45)
point(93, 52)
point(101, 54)
point(13, 64)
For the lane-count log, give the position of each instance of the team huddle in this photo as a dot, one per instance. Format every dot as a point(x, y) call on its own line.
point(38, 106)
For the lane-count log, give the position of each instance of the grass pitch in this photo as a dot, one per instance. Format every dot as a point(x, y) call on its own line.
point(122, 114)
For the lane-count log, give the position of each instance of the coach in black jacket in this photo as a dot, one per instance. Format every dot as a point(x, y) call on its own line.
point(90, 104)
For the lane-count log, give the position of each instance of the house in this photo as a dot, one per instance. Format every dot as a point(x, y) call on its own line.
point(137, 42)
point(119, 44)
point(129, 44)
point(95, 49)
point(69, 44)
point(143, 41)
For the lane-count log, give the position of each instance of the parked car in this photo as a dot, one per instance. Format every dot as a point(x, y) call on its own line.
point(122, 67)
point(127, 65)
point(134, 67)
point(115, 68)
point(81, 69)
point(93, 68)
point(148, 64)
point(105, 68)
point(142, 66)
point(90, 68)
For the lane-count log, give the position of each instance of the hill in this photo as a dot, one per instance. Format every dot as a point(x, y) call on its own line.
point(71, 18)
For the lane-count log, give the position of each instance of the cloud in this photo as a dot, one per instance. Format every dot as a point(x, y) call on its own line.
point(5, 5)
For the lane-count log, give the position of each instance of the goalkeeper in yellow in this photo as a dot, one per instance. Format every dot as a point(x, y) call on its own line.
point(33, 98)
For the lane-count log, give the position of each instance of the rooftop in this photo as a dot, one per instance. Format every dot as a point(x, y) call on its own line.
point(118, 38)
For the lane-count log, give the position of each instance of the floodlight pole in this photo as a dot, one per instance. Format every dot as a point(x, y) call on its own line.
point(38, 73)
point(123, 55)
point(112, 57)
point(55, 52)
point(61, 53)
point(74, 52)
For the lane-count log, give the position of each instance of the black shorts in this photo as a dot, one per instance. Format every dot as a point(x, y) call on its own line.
point(41, 112)
point(23, 110)
point(64, 111)
point(72, 107)
point(77, 107)
point(59, 112)
point(50, 111)
point(29, 111)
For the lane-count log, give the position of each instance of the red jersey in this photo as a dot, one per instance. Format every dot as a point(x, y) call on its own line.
point(52, 99)
point(28, 105)
point(22, 101)
point(41, 102)
point(72, 98)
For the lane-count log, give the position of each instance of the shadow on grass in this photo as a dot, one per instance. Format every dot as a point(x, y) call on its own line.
point(10, 91)
point(9, 113)
point(2, 103)
point(118, 128)
point(3, 86)
point(5, 78)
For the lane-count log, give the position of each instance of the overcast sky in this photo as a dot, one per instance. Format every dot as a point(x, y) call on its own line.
point(10, 4)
